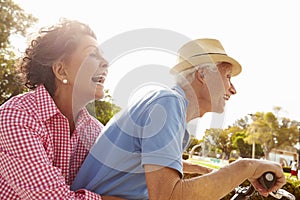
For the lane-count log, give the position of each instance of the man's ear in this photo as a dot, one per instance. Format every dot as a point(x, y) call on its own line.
point(200, 76)
point(59, 70)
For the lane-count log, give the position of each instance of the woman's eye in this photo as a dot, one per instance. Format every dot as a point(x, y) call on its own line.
point(104, 66)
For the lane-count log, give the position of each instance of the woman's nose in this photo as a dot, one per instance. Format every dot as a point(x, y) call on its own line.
point(104, 66)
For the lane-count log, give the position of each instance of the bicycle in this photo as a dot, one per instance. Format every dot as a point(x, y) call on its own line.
point(267, 180)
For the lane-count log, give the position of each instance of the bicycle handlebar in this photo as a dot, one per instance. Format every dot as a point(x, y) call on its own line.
point(267, 180)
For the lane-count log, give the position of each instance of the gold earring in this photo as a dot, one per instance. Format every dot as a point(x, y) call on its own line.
point(65, 81)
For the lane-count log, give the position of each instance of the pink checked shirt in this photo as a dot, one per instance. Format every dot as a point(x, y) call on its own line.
point(38, 158)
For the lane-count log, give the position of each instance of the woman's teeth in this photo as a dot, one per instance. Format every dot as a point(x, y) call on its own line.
point(98, 79)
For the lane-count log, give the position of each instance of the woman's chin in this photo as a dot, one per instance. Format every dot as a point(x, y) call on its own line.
point(99, 95)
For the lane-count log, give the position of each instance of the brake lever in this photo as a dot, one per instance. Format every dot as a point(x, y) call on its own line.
point(268, 179)
point(243, 193)
point(282, 193)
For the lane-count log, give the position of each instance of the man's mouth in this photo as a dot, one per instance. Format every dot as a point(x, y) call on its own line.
point(99, 79)
point(226, 97)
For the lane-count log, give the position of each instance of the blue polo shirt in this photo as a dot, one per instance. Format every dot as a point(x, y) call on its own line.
point(151, 131)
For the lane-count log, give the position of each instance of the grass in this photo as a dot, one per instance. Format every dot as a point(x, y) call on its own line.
point(204, 163)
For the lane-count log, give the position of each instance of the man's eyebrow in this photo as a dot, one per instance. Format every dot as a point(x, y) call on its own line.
point(91, 46)
point(97, 48)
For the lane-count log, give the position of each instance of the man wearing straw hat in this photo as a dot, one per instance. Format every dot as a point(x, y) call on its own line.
point(139, 154)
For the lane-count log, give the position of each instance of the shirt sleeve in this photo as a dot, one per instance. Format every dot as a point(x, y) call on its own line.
point(163, 133)
point(24, 164)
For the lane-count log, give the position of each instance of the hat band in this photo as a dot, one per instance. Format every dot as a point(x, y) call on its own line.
point(203, 54)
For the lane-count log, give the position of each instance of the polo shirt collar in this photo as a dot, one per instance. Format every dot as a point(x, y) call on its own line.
point(180, 91)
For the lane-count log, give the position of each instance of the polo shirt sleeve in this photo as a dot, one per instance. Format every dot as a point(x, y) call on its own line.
point(163, 133)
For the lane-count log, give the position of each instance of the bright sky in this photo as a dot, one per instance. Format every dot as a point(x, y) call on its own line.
point(263, 35)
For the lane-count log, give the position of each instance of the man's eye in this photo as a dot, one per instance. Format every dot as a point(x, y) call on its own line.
point(94, 55)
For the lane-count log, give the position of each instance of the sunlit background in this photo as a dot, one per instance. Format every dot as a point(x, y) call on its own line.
point(262, 35)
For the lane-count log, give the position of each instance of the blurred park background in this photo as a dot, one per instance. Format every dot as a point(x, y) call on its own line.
point(261, 135)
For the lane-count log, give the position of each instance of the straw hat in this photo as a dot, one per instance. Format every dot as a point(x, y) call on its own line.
point(202, 51)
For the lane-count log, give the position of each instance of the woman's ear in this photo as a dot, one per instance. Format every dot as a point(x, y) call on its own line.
point(59, 70)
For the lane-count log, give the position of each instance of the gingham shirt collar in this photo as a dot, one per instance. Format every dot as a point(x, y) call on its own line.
point(47, 108)
point(45, 104)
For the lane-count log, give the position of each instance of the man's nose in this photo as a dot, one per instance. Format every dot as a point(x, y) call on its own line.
point(232, 89)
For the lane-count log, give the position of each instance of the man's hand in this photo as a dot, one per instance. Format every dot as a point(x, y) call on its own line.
point(265, 166)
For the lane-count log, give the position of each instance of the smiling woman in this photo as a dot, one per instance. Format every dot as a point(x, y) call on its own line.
point(45, 134)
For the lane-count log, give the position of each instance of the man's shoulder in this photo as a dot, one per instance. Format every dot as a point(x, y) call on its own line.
point(165, 92)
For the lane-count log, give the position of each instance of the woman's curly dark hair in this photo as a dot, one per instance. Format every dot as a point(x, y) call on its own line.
point(52, 43)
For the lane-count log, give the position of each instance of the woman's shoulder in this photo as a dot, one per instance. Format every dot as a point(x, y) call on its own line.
point(21, 101)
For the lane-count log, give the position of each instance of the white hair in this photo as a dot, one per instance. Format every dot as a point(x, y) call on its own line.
point(187, 76)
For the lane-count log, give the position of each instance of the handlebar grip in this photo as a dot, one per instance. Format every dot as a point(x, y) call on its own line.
point(268, 179)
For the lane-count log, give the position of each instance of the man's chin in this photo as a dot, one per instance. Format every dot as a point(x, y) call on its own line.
point(218, 110)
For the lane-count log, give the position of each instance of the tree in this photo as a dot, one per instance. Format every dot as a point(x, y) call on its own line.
point(218, 140)
point(234, 133)
point(245, 149)
point(264, 129)
point(270, 133)
point(261, 131)
point(287, 134)
point(13, 21)
point(193, 141)
point(242, 123)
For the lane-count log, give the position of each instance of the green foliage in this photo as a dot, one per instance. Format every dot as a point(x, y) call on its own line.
point(243, 148)
point(242, 123)
point(286, 169)
point(103, 110)
point(13, 20)
point(292, 186)
point(265, 129)
point(193, 141)
point(218, 140)
point(9, 85)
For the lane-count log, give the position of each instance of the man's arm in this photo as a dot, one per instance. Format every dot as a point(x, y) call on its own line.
point(194, 168)
point(165, 183)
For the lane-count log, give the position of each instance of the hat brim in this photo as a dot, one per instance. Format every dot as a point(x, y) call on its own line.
point(197, 60)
